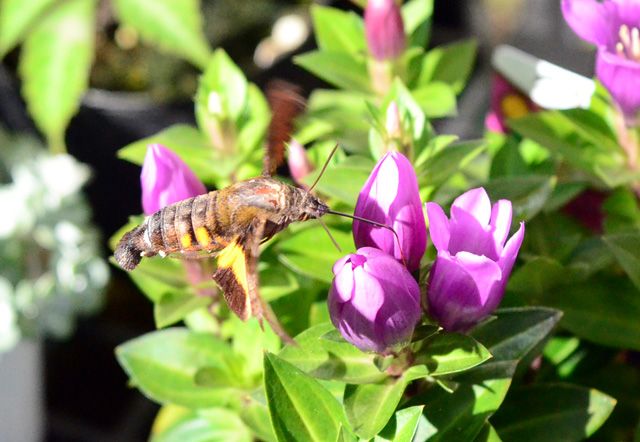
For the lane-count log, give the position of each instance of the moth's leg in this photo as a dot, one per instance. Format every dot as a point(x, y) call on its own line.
point(260, 308)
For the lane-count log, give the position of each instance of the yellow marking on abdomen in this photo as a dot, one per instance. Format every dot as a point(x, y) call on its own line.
point(185, 241)
point(202, 236)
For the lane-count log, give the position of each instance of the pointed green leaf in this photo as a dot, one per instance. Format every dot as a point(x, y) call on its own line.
point(461, 415)
point(488, 434)
point(626, 248)
point(402, 426)
point(517, 331)
point(300, 408)
point(174, 306)
point(164, 365)
point(436, 99)
point(175, 27)
point(329, 359)
point(214, 425)
point(448, 353)
point(552, 412)
point(187, 142)
point(529, 194)
point(369, 407)
point(54, 66)
point(416, 15)
point(17, 19)
point(255, 415)
point(450, 64)
point(338, 68)
point(337, 30)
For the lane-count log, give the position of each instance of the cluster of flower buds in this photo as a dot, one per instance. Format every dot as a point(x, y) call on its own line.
point(375, 299)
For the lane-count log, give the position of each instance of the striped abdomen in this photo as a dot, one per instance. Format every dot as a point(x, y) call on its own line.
point(191, 225)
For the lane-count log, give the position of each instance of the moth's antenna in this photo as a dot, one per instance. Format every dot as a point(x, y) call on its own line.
point(324, 167)
point(333, 240)
point(373, 223)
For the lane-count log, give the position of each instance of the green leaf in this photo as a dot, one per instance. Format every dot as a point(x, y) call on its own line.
point(461, 415)
point(369, 407)
point(17, 19)
point(249, 340)
point(300, 408)
point(436, 99)
point(447, 353)
point(316, 262)
point(450, 64)
point(445, 163)
point(516, 331)
point(345, 179)
point(211, 425)
point(331, 359)
point(338, 31)
point(488, 434)
point(626, 248)
point(255, 415)
point(402, 426)
point(223, 77)
point(342, 70)
point(164, 365)
point(54, 66)
point(603, 310)
point(187, 142)
point(173, 307)
point(552, 412)
point(416, 15)
point(175, 27)
point(529, 194)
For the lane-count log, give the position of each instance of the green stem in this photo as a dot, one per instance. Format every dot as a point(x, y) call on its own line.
point(56, 143)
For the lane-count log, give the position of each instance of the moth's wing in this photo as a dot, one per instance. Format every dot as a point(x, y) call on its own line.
point(286, 104)
point(237, 276)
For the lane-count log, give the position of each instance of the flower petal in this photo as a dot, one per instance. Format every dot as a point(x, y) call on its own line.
point(588, 19)
point(475, 202)
point(438, 226)
point(510, 252)
point(501, 213)
point(468, 235)
point(484, 271)
point(621, 77)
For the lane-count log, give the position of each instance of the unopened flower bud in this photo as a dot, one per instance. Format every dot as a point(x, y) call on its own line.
point(374, 301)
point(166, 179)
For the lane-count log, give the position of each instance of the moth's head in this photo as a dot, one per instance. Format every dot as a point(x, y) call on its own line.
point(312, 207)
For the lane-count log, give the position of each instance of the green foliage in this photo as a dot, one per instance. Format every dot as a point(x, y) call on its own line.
point(550, 365)
point(54, 84)
point(175, 27)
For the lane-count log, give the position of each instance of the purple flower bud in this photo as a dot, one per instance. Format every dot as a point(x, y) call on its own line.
point(470, 273)
point(384, 28)
point(374, 301)
point(298, 161)
point(390, 196)
point(166, 179)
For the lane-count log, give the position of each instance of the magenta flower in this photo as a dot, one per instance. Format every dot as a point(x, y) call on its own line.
point(166, 179)
point(506, 102)
point(374, 301)
point(612, 25)
point(390, 196)
point(384, 29)
point(469, 276)
point(298, 161)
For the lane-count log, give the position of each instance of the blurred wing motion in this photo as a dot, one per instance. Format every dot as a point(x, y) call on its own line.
point(548, 85)
point(286, 104)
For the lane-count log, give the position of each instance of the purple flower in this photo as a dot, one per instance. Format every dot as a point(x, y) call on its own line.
point(166, 179)
point(612, 25)
point(384, 29)
point(374, 301)
point(468, 278)
point(390, 196)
